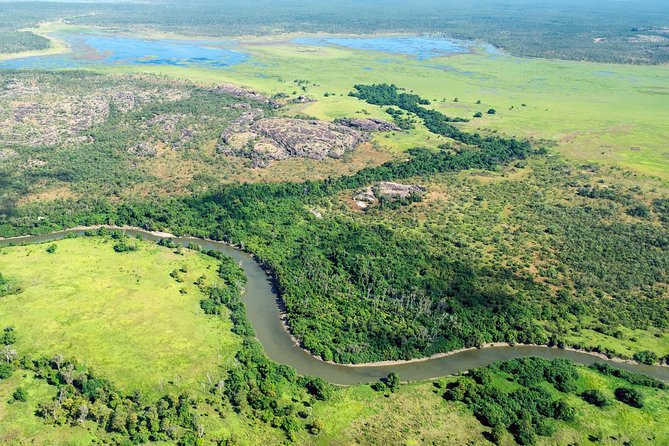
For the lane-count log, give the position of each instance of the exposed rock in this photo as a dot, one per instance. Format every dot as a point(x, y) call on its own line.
point(310, 139)
point(268, 139)
point(368, 124)
point(302, 100)
point(124, 100)
point(42, 114)
point(34, 162)
point(385, 190)
point(143, 149)
point(15, 87)
point(237, 92)
point(166, 122)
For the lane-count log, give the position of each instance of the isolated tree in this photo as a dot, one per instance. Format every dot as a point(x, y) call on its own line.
point(317, 426)
point(492, 111)
point(478, 115)
point(8, 354)
point(631, 397)
point(393, 381)
point(596, 398)
point(20, 395)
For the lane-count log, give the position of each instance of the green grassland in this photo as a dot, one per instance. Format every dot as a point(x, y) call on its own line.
point(121, 313)
point(596, 112)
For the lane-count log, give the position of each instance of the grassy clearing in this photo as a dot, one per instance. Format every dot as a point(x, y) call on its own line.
point(120, 313)
point(413, 415)
point(618, 423)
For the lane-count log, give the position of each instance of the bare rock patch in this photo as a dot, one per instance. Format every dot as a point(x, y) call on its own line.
point(386, 190)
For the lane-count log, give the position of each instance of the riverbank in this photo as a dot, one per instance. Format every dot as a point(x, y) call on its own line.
point(264, 311)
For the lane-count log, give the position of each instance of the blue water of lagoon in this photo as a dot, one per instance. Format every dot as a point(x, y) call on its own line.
point(422, 48)
point(111, 49)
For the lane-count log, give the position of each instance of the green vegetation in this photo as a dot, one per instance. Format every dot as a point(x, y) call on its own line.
point(13, 42)
point(421, 278)
point(109, 339)
point(631, 397)
point(116, 311)
point(526, 397)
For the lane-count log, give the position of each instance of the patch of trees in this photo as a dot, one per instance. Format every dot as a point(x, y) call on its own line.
point(390, 383)
point(525, 412)
point(635, 379)
point(435, 121)
point(15, 41)
point(527, 409)
point(661, 208)
point(645, 357)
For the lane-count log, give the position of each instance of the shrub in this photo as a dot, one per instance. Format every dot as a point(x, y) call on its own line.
point(8, 336)
point(5, 370)
point(631, 397)
point(20, 395)
point(646, 357)
point(640, 210)
point(596, 398)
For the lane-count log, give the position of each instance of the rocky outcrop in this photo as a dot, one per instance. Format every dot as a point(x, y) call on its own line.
point(243, 93)
point(40, 113)
point(368, 124)
point(144, 150)
point(385, 191)
point(266, 139)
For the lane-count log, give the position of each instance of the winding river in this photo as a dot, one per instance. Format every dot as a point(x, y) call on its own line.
point(263, 311)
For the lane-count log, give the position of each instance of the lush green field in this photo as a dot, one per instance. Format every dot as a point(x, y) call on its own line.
point(596, 112)
point(120, 313)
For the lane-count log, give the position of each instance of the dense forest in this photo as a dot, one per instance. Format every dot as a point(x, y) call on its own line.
point(628, 32)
